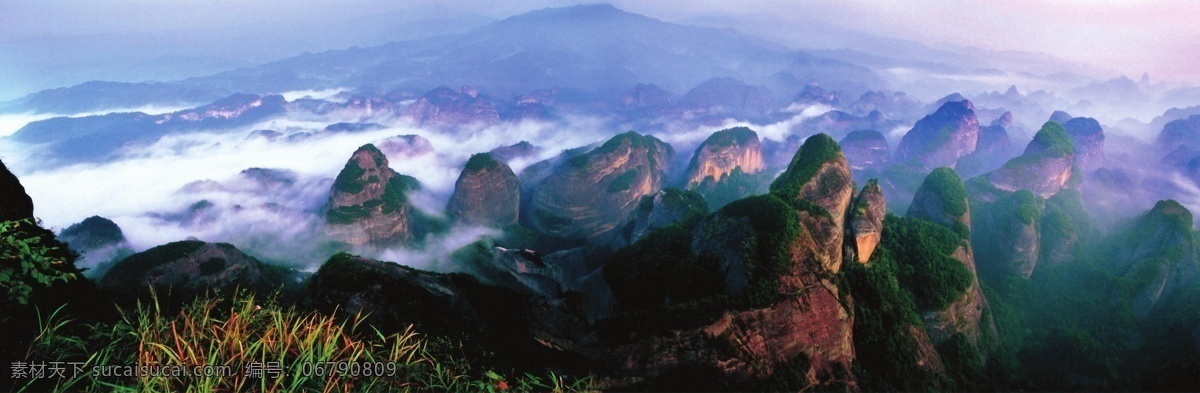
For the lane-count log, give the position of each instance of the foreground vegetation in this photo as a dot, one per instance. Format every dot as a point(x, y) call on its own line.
point(291, 349)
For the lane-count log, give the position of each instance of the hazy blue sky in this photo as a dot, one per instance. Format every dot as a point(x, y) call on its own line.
point(50, 42)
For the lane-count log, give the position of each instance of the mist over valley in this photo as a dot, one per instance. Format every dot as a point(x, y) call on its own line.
point(614, 197)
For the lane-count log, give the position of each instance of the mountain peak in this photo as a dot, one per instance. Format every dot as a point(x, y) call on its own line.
point(570, 13)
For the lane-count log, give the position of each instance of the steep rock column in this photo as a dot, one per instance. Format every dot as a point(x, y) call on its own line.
point(942, 199)
point(818, 184)
point(487, 193)
point(866, 221)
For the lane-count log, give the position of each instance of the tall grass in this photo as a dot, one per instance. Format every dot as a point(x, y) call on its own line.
point(245, 330)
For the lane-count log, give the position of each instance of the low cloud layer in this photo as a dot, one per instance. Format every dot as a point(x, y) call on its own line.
point(192, 185)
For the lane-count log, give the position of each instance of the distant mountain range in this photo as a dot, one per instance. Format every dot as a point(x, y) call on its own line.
point(597, 51)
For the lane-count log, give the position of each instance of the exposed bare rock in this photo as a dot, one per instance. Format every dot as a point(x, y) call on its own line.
point(866, 149)
point(723, 152)
point(1044, 168)
point(866, 220)
point(941, 138)
point(449, 107)
point(487, 193)
point(590, 195)
point(368, 203)
point(992, 150)
point(927, 355)
point(820, 176)
point(964, 316)
point(799, 324)
point(942, 199)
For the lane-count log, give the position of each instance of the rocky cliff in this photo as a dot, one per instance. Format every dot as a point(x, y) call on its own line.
point(784, 319)
point(818, 183)
point(866, 221)
point(744, 295)
point(487, 193)
point(723, 152)
point(992, 150)
point(1044, 168)
point(866, 149)
point(942, 199)
point(589, 195)
point(368, 203)
point(940, 138)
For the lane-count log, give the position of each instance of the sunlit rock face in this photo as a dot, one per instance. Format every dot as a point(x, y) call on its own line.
point(723, 152)
point(1044, 168)
point(819, 175)
point(368, 202)
point(590, 195)
point(487, 193)
point(804, 317)
point(991, 151)
point(939, 139)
